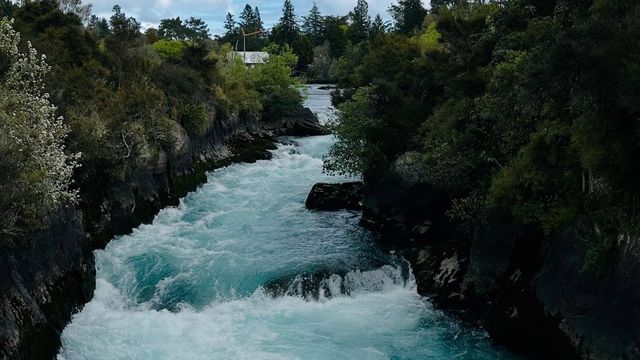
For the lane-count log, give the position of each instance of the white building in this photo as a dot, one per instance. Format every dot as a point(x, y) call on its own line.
point(250, 58)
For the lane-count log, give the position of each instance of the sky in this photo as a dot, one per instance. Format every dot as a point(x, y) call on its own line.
point(213, 12)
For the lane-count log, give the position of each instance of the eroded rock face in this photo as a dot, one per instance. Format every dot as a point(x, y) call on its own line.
point(301, 122)
point(530, 290)
point(599, 312)
point(331, 197)
point(41, 284)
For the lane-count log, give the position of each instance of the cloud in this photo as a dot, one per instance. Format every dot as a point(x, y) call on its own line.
point(213, 12)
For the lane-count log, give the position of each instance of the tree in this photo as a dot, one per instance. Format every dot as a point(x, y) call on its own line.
point(377, 27)
point(313, 25)
point(197, 29)
point(125, 36)
point(248, 19)
point(152, 35)
point(35, 169)
point(76, 7)
point(408, 15)
point(319, 68)
point(288, 19)
point(6, 8)
point(354, 153)
point(336, 28)
point(124, 30)
point(230, 24)
point(360, 22)
point(258, 25)
point(286, 30)
point(193, 29)
point(172, 29)
point(98, 27)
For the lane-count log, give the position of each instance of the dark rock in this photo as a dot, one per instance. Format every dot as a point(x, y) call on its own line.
point(41, 284)
point(531, 291)
point(336, 196)
point(301, 122)
point(599, 312)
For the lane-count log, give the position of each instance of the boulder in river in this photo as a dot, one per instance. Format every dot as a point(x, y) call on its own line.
point(331, 197)
point(301, 122)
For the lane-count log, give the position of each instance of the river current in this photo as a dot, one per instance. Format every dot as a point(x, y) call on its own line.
point(241, 270)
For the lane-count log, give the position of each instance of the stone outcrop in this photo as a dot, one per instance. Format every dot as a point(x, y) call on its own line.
point(53, 275)
point(532, 291)
point(336, 196)
point(300, 122)
point(41, 284)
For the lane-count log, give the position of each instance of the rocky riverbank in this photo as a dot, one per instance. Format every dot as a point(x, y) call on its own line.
point(532, 291)
point(44, 281)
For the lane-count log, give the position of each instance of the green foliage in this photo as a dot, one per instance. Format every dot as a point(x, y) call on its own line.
point(170, 49)
point(237, 93)
point(274, 81)
point(126, 98)
point(378, 27)
point(36, 168)
point(193, 29)
point(430, 40)
point(336, 28)
point(195, 119)
point(286, 31)
point(355, 152)
point(360, 22)
point(313, 26)
point(408, 15)
point(520, 107)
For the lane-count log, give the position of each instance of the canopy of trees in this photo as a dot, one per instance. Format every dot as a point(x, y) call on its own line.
point(522, 109)
point(121, 97)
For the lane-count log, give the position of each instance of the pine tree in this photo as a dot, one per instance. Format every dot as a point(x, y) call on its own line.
point(287, 30)
point(258, 24)
point(360, 22)
point(288, 19)
point(197, 29)
point(377, 27)
point(408, 14)
point(251, 22)
point(247, 19)
point(98, 27)
point(336, 35)
point(313, 25)
point(229, 24)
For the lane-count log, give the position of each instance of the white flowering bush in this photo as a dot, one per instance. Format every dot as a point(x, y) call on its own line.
point(35, 170)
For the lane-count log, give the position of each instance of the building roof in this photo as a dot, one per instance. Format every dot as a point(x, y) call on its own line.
point(250, 57)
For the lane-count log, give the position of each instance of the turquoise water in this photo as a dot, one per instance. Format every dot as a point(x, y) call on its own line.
point(241, 270)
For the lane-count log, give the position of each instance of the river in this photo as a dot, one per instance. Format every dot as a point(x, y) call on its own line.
point(241, 270)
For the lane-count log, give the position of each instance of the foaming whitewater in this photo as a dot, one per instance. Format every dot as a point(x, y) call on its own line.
point(241, 270)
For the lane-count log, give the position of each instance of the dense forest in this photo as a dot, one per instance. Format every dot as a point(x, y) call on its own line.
point(522, 109)
point(106, 97)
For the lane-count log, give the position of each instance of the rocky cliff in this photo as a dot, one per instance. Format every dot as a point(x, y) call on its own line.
point(532, 291)
point(51, 276)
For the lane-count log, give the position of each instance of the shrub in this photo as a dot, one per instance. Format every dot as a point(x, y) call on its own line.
point(37, 170)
